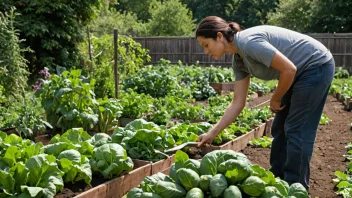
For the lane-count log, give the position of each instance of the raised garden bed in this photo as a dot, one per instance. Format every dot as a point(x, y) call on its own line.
point(345, 100)
point(121, 185)
point(223, 87)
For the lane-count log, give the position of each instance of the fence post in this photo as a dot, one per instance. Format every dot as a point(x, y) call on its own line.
point(116, 74)
point(190, 50)
point(89, 46)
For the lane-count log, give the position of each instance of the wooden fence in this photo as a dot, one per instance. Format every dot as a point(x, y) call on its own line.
point(189, 51)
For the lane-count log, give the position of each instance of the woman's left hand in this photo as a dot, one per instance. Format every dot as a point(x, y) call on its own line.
point(275, 105)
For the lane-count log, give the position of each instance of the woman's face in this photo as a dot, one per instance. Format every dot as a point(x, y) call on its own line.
point(213, 48)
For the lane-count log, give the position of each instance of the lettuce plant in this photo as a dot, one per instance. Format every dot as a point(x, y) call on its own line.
point(75, 166)
point(110, 160)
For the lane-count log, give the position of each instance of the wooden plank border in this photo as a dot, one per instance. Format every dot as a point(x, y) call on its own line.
point(119, 186)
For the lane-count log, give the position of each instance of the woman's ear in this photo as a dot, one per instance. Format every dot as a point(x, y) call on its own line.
point(219, 36)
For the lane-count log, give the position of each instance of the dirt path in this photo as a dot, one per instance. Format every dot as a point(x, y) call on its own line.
point(328, 150)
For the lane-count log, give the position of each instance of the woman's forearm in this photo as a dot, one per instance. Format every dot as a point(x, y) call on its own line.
point(231, 113)
point(285, 82)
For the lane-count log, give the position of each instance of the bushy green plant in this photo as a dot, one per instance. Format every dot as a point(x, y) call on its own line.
point(126, 23)
point(26, 117)
point(108, 110)
point(340, 72)
point(154, 83)
point(169, 18)
point(13, 68)
point(68, 100)
point(220, 173)
point(53, 30)
point(135, 105)
point(131, 58)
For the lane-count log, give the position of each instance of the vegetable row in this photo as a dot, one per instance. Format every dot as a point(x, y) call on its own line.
point(221, 173)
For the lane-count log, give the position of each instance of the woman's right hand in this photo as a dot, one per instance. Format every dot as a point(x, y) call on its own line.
point(206, 138)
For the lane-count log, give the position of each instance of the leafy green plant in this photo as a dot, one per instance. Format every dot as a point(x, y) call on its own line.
point(27, 117)
point(108, 110)
point(13, 66)
point(159, 113)
point(155, 83)
point(188, 112)
point(324, 120)
point(343, 180)
point(264, 142)
point(68, 100)
point(53, 30)
point(131, 58)
point(25, 170)
point(135, 105)
point(75, 138)
point(257, 86)
point(183, 132)
point(144, 140)
point(220, 173)
point(75, 166)
point(340, 72)
point(110, 160)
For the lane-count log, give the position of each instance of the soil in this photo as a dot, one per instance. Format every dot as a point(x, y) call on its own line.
point(72, 190)
point(194, 153)
point(328, 153)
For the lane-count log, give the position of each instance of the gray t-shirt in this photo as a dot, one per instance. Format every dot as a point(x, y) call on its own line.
point(258, 45)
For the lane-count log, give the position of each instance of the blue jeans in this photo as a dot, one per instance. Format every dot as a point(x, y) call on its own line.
point(294, 128)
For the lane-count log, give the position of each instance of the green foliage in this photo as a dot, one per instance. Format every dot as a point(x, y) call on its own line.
point(13, 68)
point(144, 140)
point(108, 110)
point(340, 72)
point(68, 100)
point(140, 8)
point(263, 142)
point(26, 117)
point(221, 173)
point(330, 16)
point(249, 13)
point(25, 170)
point(131, 58)
point(292, 14)
point(110, 160)
point(170, 18)
point(52, 30)
point(75, 166)
point(135, 105)
point(202, 9)
point(156, 84)
point(324, 120)
point(343, 180)
point(318, 16)
point(126, 23)
point(256, 86)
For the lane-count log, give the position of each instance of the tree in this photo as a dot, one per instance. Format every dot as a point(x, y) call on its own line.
point(52, 29)
point(210, 8)
point(249, 13)
point(170, 18)
point(138, 7)
point(126, 23)
point(331, 16)
point(292, 14)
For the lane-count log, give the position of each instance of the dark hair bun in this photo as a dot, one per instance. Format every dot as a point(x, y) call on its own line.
point(234, 27)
